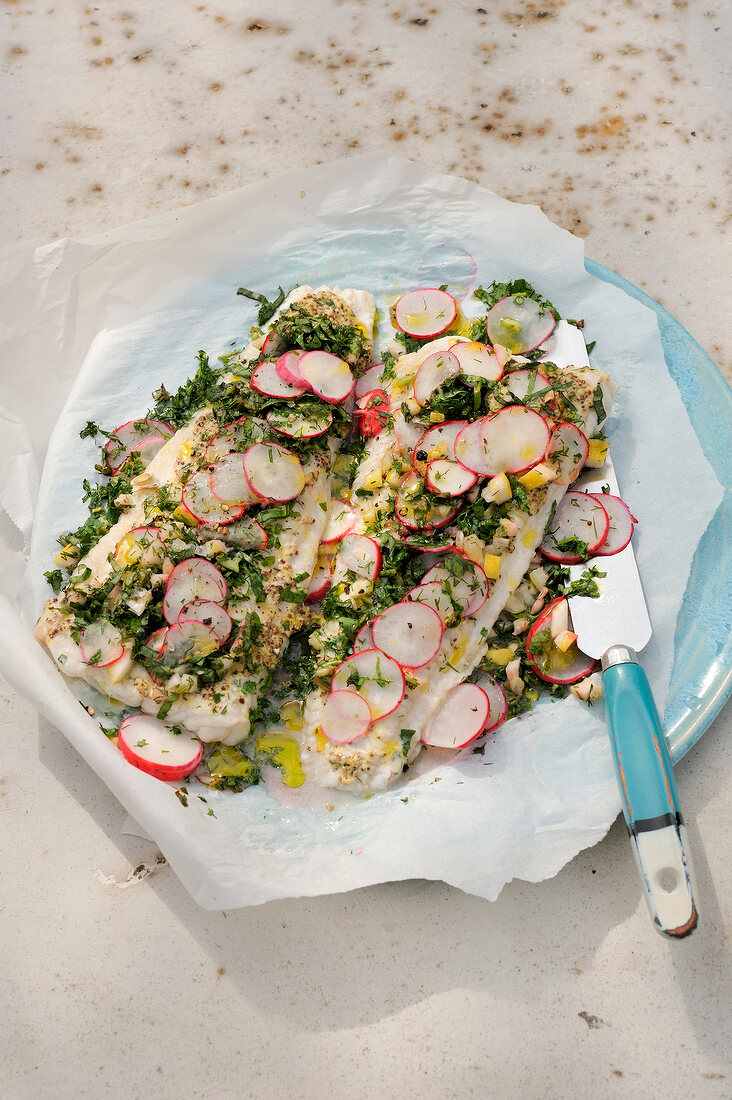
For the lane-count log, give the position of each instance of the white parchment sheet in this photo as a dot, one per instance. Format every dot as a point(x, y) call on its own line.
point(88, 328)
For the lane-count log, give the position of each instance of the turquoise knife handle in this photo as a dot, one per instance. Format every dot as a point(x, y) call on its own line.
point(650, 801)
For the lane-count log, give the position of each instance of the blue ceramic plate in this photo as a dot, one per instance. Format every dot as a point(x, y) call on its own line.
point(701, 680)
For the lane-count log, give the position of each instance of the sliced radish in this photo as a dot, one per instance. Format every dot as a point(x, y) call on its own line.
point(204, 505)
point(141, 544)
point(409, 632)
point(477, 360)
point(345, 717)
point(153, 748)
point(620, 527)
point(342, 519)
point(320, 580)
point(188, 640)
point(549, 662)
point(211, 615)
point(369, 380)
point(567, 451)
point(437, 442)
point(289, 371)
point(459, 719)
point(374, 676)
point(100, 644)
point(273, 472)
point(273, 343)
point(364, 639)
point(409, 432)
point(433, 594)
point(358, 555)
point(425, 312)
point(433, 371)
point(192, 579)
point(580, 518)
point(497, 700)
point(373, 412)
point(526, 382)
point(511, 441)
point(327, 376)
point(445, 478)
point(133, 435)
point(245, 533)
point(464, 581)
point(519, 324)
point(266, 381)
point(156, 639)
point(297, 424)
point(228, 482)
point(423, 512)
point(238, 437)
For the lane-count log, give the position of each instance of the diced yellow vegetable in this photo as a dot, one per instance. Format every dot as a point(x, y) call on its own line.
point(538, 476)
point(502, 655)
point(374, 480)
point(68, 555)
point(183, 514)
point(597, 452)
point(492, 566)
point(320, 740)
point(498, 490)
point(436, 417)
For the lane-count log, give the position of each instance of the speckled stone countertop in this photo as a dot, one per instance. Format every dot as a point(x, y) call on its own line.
point(613, 118)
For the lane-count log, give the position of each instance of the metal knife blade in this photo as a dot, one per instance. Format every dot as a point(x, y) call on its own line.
point(613, 628)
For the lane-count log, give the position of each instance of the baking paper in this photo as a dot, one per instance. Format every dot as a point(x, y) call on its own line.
point(91, 327)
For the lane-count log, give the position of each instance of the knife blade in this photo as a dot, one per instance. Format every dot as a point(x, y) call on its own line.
point(613, 628)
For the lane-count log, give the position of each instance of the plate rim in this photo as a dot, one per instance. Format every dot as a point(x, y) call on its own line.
point(691, 725)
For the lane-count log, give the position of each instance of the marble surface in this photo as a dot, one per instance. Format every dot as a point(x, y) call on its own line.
point(611, 117)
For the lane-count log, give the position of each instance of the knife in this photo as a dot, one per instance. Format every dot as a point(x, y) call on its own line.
point(614, 628)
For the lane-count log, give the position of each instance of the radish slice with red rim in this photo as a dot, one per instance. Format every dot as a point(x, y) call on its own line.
point(425, 312)
point(424, 513)
point(288, 370)
point(273, 343)
point(548, 661)
point(519, 324)
point(192, 579)
point(527, 382)
point(620, 526)
point(345, 717)
point(188, 640)
point(497, 700)
point(342, 519)
point(142, 544)
point(131, 436)
point(266, 381)
point(364, 639)
point(373, 412)
point(446, 478)
point(376, 677)
point(358, 555)
point(320, 580)
point(211, 614)
point(477, 360)
point(437, 442)
point(369, 380)
point(273, 472)
point(100, 644)
point(228, 481)
point(326, 375)
point(409, 432)
point(511, 441)
point(459, 719)
point(409, 632)
point(567, 451)
point(237, 437)
point(201, 502)
point(300, 424)
point(433, 594)
point(464, 581)
point(153, 748)
point(433, 371)
point(579, 527)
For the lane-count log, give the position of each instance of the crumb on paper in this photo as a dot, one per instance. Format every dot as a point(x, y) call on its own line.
point(135, 875)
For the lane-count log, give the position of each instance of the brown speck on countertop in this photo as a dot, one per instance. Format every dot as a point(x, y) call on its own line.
point(592, 1022)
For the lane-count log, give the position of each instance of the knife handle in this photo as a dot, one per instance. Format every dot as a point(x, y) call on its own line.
point(650, 801)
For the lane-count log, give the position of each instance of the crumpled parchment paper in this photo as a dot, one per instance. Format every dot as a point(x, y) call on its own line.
point(89, 328)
